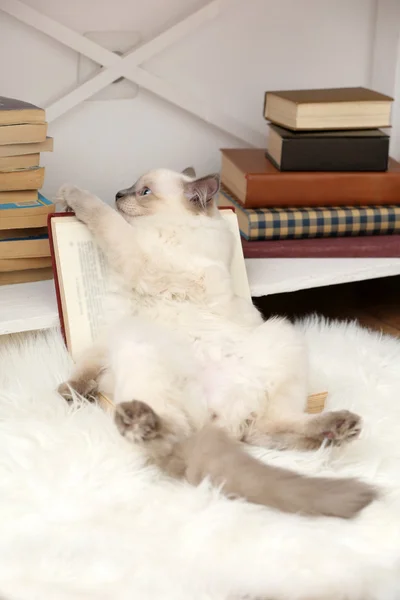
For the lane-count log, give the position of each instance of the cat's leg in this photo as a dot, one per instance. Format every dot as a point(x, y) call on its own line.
point(85, 376)
point(267, 372)
point(277, 354)
point(112, 233)
point(304, 432)
point(276, 358)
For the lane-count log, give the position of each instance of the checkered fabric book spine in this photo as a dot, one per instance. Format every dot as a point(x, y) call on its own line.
point(299, 223)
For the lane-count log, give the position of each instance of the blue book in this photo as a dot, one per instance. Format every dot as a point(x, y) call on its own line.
point(26, 213)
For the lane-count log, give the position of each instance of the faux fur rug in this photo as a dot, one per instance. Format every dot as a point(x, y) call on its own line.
point(81, 518)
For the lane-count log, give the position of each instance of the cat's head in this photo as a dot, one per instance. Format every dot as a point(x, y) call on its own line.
point(168, 192)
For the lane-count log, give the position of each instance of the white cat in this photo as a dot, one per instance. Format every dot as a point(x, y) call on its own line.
point(188, 346)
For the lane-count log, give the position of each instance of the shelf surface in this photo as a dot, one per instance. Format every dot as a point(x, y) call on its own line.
point(278, 275)
point(31, 306)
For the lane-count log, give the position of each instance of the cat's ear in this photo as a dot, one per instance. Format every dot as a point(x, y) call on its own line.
point(189, 172)
point(201, 191)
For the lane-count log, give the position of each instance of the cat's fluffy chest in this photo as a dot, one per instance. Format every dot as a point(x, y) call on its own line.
point(211, 333)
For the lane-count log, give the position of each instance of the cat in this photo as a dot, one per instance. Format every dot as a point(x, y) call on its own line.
point(182, 341)
point(210, 452)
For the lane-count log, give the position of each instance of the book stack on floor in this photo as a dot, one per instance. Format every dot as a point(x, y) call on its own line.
point(324, 185)
point(24, 243)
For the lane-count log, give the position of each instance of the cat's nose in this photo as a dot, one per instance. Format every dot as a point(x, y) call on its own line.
point(120, 195)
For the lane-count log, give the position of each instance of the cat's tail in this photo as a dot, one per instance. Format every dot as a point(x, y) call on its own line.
point(216, 455)
point(294, 493)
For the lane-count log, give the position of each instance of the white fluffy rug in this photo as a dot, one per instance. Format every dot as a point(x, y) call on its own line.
point(80, 518)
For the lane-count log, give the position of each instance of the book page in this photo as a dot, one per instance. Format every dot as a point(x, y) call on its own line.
point(238, 267)
point(83, 277)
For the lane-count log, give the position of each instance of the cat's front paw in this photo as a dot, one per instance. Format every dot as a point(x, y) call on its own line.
point(137, 421)
point(68, 196)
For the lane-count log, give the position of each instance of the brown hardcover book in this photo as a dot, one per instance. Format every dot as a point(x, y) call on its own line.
point(26, 276)
point(13, 111)
point(258, 184)
point(369, 246)
point(26, 133)
point(24, 264)
point(24, 243)
point(352, 150)
point(19, 196)
point(13, 163)
point(332, 108)
point(34, 148)
point(23, 179)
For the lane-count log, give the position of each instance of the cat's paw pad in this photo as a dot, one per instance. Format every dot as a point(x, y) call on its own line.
point(137, 421)
point(82, 387)
point(340, 426)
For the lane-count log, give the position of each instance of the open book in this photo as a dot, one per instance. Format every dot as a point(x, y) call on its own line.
point(82, 280)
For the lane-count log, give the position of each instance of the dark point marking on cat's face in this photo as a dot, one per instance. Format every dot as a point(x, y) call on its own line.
point(200, 193)
point(189, 172)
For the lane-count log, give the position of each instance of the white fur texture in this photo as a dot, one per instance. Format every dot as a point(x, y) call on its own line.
point(81, 519)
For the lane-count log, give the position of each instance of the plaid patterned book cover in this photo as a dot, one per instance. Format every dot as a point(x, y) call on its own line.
point(297, 223)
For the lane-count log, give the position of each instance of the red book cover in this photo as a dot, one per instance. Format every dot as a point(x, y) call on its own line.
point(372, 246)
point(54, 266)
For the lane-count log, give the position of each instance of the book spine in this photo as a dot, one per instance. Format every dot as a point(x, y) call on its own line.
point(383, 246)
point(335, 154)
point(322, 189)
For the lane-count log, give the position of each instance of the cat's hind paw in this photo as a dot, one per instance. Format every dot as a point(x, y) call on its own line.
point(82, 387)
point(137, 421)
point(338, 427)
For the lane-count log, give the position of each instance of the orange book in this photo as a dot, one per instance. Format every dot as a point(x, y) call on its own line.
point(258, 184)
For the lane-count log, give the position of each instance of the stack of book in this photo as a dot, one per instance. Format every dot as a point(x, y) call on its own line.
point(324, 185)
point(24, 243)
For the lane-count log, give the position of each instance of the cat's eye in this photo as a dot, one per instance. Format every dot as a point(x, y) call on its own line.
point(145, 191)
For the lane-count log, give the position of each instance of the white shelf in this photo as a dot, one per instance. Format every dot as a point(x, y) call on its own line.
point(31, 306)
point(27, 306)
point(277, 275)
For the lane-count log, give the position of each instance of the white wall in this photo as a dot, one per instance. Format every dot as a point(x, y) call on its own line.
point(253, 45)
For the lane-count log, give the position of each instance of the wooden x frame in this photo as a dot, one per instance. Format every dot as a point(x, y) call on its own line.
point(129, 67)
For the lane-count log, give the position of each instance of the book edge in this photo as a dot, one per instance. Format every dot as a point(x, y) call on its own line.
point(278, 93)
point(55, 272)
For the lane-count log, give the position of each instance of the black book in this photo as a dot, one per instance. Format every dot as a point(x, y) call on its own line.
point(352, 150)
